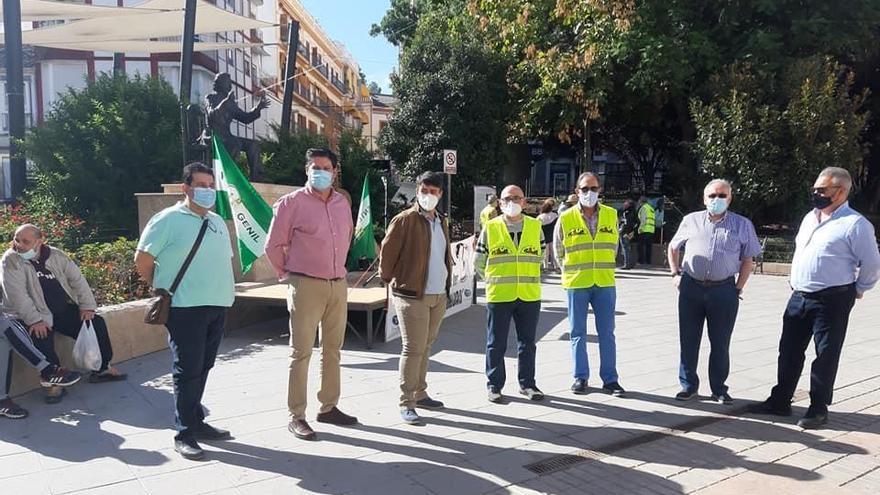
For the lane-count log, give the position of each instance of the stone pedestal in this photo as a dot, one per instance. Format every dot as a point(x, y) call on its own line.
point(151, 203)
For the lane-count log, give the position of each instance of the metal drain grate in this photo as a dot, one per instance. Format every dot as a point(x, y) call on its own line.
point(565, 461)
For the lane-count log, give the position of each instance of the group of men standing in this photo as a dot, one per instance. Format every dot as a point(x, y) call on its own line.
point(187, 247)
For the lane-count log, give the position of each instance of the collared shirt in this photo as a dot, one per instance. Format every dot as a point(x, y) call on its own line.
point(169, 236)
point(309, 235)
point(437, 273)
point(515, 231)
point(592, 222)
point(839, 251)
point(714, 251)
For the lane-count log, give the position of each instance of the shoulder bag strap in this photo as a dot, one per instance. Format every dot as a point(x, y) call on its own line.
point(189, 257)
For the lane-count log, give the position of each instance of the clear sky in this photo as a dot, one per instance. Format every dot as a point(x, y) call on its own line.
point(349, 21)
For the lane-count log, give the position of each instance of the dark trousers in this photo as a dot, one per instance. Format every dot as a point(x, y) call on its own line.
point(194, 336)
point(715, 306)
point(68, 322)
point(645, 247)
point(823, 317)
point(525, 317)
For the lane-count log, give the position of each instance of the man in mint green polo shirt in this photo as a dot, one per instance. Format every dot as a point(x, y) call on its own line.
point(199, 305)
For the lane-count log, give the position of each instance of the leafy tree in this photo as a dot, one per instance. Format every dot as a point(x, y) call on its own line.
point(625, 71)
point(100, 145)
point(452, 95)
point(284, 156)
point(374, 87)
point(772, 148)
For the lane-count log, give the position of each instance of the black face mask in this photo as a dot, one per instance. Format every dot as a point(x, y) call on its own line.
point(820, 202)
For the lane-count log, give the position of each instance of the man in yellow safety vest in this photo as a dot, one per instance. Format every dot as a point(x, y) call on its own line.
point(509, 260)
point(585, 242)
point(646, 230)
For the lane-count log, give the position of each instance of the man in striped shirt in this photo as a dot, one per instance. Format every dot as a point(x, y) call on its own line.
point(719, 248)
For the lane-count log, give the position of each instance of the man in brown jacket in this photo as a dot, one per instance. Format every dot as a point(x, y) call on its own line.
point(415, 261)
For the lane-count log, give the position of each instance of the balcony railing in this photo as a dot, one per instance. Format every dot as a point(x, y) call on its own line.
point(339, 85)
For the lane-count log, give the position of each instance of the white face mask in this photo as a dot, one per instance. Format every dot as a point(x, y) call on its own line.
point(427, 201)
point(511, 209)
point(588, 199)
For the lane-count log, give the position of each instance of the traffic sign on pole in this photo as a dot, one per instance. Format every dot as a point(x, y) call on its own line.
point(450, 162)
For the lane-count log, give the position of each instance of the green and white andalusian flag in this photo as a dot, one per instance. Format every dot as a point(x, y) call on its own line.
point(363, 244)
point(237, 200)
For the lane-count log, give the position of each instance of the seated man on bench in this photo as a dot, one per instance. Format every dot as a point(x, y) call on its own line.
point(14, 337)
point(44, 289)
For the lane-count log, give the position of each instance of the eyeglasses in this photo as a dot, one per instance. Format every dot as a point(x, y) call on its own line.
point(588, 189)
point(512, 199)
point(823, 190)
point(719, 195)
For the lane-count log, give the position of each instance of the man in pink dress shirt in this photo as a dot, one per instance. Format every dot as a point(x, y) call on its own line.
point(307, 246)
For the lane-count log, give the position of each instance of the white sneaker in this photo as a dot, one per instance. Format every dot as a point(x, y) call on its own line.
point(494, 396)
point(532, 393)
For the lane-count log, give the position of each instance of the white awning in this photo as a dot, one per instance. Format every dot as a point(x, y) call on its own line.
point(209, 19)
point(144, 46)
point(45, 10)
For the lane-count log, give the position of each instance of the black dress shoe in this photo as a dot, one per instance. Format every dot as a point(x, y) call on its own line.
point(813, 419)
point(188, 448)
point(614, 389)
point(336, 417)
point(769, 407)
point(208, 432)
point(579, 387)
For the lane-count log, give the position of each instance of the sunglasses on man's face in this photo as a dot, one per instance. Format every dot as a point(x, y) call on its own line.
point(823, 190)
point(718, 195)
point(588, 189)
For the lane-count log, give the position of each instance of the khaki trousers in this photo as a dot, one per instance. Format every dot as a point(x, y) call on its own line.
point(312, 302)
point(420, 321)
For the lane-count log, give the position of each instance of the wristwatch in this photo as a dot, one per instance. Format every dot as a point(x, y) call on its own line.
point(677, 274)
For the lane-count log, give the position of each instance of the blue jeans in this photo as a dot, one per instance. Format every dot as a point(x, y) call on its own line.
point(717, 307)
point(603, 301)
point(525, 316)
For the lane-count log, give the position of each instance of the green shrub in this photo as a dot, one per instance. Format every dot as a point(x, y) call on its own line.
point(110, 270)
point(63, 231)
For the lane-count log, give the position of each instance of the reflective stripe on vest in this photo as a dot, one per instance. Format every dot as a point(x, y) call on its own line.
point(589, 260)
point(648, 226)
point(513, 272)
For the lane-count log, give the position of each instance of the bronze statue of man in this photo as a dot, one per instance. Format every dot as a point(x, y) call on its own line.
point(221, 109)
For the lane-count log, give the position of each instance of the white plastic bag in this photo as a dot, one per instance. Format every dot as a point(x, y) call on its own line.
point(86, 352)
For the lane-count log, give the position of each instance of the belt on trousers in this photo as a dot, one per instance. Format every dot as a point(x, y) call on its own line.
point(830, 291)
point(316, 278)
point(713, 283)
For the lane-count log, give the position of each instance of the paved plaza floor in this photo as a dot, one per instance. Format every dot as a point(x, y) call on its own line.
point(116, 438)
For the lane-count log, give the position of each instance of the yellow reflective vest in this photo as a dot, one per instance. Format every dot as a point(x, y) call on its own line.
point(488, 213)
point(513, 272)
point(589, 261)
point(646, 224)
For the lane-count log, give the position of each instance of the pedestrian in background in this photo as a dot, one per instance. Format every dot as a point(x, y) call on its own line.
point(647, 217)
point(719, 250)
point(629, 222)
point(835, 262)
point(548, 217)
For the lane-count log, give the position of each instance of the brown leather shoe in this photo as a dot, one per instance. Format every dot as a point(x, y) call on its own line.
point(336, 417)
point(301, 429)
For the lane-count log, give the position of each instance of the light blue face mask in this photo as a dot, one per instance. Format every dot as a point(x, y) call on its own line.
point(204, 197)
point(320, 179)
point(28, 255)
point(717, 206)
